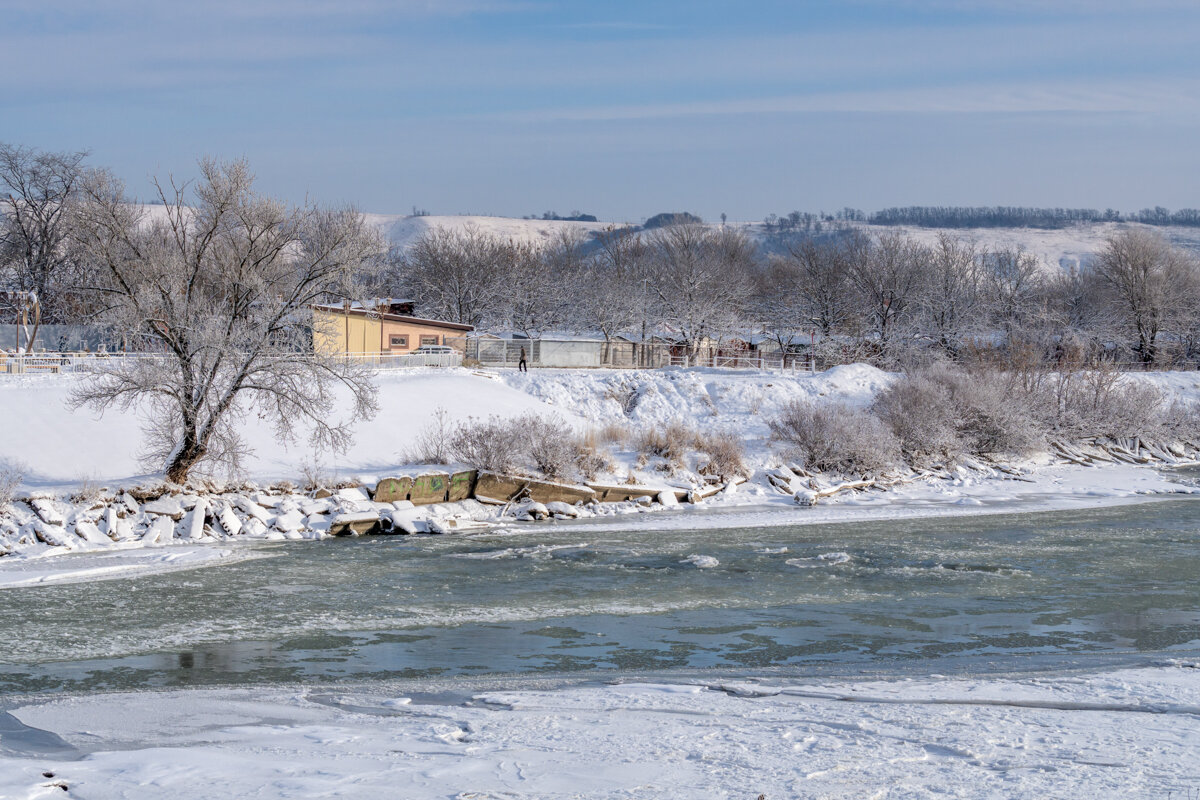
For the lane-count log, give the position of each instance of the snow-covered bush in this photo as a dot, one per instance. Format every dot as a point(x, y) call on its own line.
point(11, 476)
point(725, 455)
point(551, 444)
point(432, 445)
point(833, 437)
point(494, 444)
point(940, 413)
point(672, 442)
point(1101, 402)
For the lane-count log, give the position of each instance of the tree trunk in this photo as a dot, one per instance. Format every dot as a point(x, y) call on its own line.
point(189, 454)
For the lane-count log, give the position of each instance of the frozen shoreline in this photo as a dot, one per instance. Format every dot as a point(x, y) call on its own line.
point(1128, 732)
point(1047, 488)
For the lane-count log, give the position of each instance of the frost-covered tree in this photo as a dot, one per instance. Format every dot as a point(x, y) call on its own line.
point(1154, 286)
point(38, 194)
point(950, 303)
point(218, 285)
point(887, 275)
point(455, 274)
point(700, 281)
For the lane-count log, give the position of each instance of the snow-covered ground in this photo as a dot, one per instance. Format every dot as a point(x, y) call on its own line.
point(63, 451)
point(60, 447)
point(1129, 733)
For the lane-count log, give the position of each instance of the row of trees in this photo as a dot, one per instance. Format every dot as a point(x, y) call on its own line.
point(1023, 217)
point(886, 297)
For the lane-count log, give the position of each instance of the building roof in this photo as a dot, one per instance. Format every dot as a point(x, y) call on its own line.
point(361, 312)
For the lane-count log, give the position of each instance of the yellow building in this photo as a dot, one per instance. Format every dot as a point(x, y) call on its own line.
point(374, 330)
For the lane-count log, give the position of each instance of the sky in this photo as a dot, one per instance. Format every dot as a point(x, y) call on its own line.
point(620, 108)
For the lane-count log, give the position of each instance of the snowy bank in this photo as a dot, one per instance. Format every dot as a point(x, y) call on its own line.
point(1123, 733)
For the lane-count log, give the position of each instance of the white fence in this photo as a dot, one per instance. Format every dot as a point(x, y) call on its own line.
point(56, 363)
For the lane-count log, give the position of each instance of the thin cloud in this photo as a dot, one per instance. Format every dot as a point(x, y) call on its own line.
point(1134, 97)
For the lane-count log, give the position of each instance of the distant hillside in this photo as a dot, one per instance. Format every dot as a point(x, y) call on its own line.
point(1061, 247)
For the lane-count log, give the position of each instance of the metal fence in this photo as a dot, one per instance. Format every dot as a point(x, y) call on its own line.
point(565, 353)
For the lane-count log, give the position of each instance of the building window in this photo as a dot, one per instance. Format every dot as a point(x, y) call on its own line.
point(428, 340)
point(396, 340)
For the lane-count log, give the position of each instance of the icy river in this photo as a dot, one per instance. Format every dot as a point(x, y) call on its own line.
point(993, 593)
point(665, 655)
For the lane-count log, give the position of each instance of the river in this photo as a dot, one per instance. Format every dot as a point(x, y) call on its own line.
point(985, 594)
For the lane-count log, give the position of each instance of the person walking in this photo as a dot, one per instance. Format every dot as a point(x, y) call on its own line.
point(522, 366)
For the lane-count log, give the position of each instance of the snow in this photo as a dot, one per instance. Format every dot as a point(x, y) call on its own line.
point(18, 571)
point(1124, 733)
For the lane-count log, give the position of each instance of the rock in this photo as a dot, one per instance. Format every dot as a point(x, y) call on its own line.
point(255, 528)
point(314, 507)
point(667, 498)
point(195, 524)
point(44, 508)
point(462, 486)
point(267, 500)
point(290, 521)
point(561, 509)
point(398, 522)
point(54, 535)
point(91, 534)
point(537, 511)
point(402, 505)
point(352, 495)
point(643, 500)
point(110, 523)
point(321, 494)
point(254, 510)
point(131, 505)
point(354, 524)
point(229, 521)
point(805, 497)
point(161, 530)
point(165, 506)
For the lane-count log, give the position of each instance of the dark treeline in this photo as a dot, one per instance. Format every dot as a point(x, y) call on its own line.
point(1024, 217)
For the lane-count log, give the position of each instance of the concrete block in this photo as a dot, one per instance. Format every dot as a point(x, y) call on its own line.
point(429, 488)
point(390, 490)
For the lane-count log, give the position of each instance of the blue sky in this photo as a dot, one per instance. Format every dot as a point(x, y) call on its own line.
point(624, 109)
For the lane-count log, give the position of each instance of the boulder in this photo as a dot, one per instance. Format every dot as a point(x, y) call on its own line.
point(355, 524)
point(165, 506)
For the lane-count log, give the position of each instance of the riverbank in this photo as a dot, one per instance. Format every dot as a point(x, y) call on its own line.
point(1122, 733)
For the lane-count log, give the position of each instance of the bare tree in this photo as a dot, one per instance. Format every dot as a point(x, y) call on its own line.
point(221, 288)
point(37, 197)
point(456, 274)
point(611, 289)
point(700, 281)
point(951, 299)
point(887, 277)
point(1154, 285)
point(541, 284)
point(1012, 278)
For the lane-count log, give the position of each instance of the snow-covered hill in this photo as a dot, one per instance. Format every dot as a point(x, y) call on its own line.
point(1062, 247)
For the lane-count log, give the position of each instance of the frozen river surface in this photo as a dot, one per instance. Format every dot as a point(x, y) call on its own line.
point(985, 639)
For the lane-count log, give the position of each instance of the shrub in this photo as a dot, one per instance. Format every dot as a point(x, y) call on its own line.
point(494, 444)
point(432, 445)
point(1101, 402)
point(672, 442)
point(12, 475)
point(940, 413)
point(832, 437)
point(725, 455)
point(550, 444)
